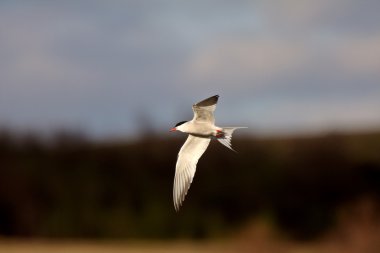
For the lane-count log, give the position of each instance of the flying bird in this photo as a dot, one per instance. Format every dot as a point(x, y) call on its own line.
point(201, 130)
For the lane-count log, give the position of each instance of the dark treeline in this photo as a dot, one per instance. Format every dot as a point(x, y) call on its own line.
point(72, 187)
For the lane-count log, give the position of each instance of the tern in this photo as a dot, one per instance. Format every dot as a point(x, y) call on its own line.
point(201, 130)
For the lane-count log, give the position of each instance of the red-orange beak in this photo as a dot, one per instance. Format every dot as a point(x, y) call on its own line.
point(173, 129)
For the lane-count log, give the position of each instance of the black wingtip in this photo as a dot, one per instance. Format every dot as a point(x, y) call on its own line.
point(208, 101)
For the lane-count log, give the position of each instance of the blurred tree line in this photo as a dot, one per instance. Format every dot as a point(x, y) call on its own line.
point(72, 187)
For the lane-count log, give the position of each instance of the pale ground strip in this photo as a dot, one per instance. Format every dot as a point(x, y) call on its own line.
point(25, 246)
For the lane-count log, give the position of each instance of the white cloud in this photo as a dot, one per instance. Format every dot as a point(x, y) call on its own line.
point(253, 60)
point(297, 14)
point(360, 55)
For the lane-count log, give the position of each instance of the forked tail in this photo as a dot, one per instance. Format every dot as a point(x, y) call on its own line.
point(226, 136)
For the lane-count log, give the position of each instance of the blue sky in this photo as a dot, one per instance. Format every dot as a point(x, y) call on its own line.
point(294, 66)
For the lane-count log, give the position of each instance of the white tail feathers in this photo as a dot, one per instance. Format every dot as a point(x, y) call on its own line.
point(225, 139)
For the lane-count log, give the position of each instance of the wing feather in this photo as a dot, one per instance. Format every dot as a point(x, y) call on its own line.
point(204, 110)
point(188, 157)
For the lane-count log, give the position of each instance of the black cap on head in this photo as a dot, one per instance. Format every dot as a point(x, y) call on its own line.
point(180, 123)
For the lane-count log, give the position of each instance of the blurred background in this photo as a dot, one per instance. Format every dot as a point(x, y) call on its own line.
point(89, 90)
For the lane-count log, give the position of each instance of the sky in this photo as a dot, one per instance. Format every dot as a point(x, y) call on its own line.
point(119, 68)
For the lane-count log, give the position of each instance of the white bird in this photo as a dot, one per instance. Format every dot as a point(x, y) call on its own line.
point(200, 129)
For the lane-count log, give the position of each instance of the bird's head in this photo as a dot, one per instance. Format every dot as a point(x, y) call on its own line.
point(178, 126)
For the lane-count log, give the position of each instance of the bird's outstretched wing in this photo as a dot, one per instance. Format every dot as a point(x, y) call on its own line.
point(204, 110)
point(187, 161)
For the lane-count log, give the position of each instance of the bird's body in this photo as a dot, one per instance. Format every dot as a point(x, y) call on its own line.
point(201, 130)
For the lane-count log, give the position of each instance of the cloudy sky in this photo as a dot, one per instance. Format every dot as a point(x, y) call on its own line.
point(107, 67)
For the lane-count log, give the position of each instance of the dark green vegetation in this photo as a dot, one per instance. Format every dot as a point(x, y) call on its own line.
point(71, 187)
